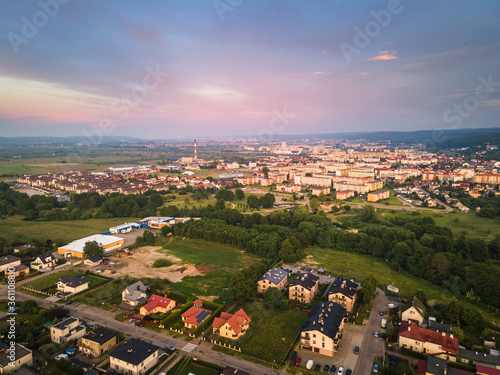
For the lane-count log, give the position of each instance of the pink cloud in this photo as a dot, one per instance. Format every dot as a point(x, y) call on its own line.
point(385, 55)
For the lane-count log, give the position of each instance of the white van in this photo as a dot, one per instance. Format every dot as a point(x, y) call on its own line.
point(310, 364)
point(62, 356)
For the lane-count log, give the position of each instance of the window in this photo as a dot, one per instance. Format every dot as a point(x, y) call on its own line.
point(323, 345)
point(314, 335)
point(323, 338)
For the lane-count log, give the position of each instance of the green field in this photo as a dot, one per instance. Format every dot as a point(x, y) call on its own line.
point(272, 332)
point(459, 223)
point(14, 228)
point(358, 266)
point(219, 261)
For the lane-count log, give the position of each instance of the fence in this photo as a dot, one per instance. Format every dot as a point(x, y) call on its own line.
point(223, 344)
point(38, 291)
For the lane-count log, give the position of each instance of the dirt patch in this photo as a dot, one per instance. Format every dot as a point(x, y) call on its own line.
point(205, 267)
point(139, 265)
point(207, 298)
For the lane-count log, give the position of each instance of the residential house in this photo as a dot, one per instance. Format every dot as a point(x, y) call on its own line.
point(413, 311)
point(134, 357)
point(19, 271)
point(66, 330)
point(195, 315)
point(93, 261)
point(43, 262)
point(323, 328)
point(274, 278)
point(72, 284)
point(345, 194)
point(423, 340)
point(375, 196)
point(135, 294)
point(158, 304)
point(472, 357)
point(303, 288)
point(436, 366)
point(231, 326)
point(97, 342)
point(17, 249)
point(343, 292)
point(23, 356)
point(7, 261)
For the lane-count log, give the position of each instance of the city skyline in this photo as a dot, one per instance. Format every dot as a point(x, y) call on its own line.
point(229, 68)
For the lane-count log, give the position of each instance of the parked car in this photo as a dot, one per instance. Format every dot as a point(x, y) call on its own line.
point(317, 367)
point(139, 323)
point(341, 371)
point(348, 371)
point(390, 298)
point(375, 368)
point(131, 321)
point(382, 336)
point(375, 334)
point(62, 356)
point(69, 302)
point(326, 368)
point(391, 306)
point(333, 369)
point(356, 350)
point(170, 347)
point(381, 312)
point(297, 361)
point(70, 351)
point(394, 360)
point(293, 356)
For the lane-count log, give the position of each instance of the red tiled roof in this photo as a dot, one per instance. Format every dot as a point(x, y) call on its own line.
point(417, 333)
point(155, 301)
point(235, 321)
point(483, 370)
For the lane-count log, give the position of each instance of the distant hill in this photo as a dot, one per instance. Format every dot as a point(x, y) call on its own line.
point(431, 138)
point(63, 140)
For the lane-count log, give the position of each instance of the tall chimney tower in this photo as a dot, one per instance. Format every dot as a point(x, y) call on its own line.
point(195, 157)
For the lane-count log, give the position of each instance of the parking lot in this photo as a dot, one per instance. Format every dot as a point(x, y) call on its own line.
point(345, 357)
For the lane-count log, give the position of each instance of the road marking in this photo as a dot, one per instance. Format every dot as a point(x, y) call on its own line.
point(189, 348)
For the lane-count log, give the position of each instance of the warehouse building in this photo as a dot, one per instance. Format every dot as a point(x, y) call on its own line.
point(75, 248)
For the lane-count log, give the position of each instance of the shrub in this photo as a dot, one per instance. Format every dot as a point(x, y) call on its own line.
point(162, 263)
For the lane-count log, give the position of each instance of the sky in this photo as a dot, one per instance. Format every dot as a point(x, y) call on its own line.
point(264, 68)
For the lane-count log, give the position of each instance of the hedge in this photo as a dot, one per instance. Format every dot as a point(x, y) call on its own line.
point(176, 314)
point(204, 325)
point(211, 305)
point(181, 298)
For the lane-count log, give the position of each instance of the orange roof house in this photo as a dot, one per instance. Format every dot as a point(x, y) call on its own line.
point(232, 326)
point(423, 340)
point(194, 316)
point(158, 304)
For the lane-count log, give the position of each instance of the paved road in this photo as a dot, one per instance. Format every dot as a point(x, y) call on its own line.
point(372, 346)
point(107, 319)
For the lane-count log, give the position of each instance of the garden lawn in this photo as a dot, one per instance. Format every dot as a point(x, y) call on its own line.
point(272, 332)
point(49, 282)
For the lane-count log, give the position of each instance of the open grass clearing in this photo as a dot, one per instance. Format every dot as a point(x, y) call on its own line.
point(61, 232)
point(216, 262)
point(272, 332)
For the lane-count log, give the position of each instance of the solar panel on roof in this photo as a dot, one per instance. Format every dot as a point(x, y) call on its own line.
point(202, 315)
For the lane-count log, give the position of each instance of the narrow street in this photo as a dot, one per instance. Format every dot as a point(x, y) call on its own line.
point(107, 319)
point(371, 345)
